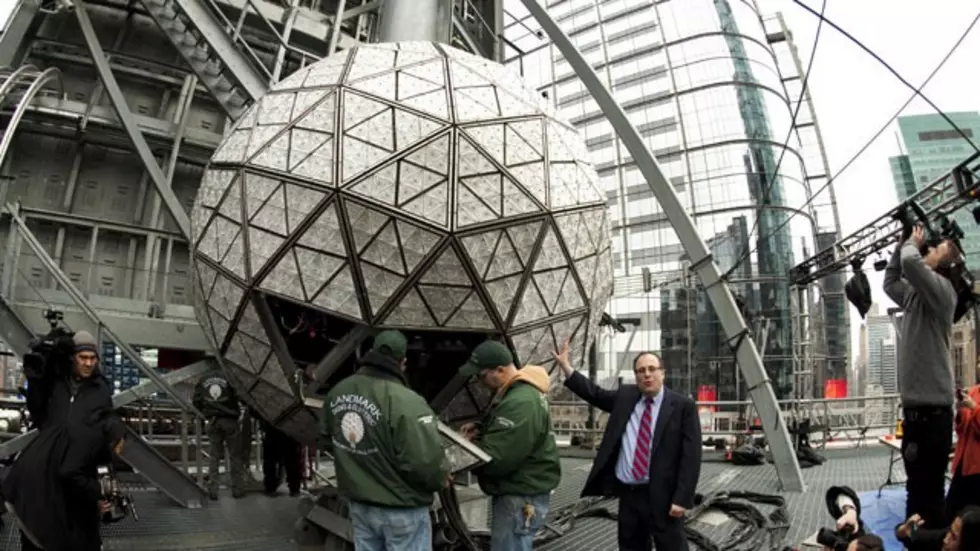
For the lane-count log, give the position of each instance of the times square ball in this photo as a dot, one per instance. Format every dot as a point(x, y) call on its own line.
point(404, 185)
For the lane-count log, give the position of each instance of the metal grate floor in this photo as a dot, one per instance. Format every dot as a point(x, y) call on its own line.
point(257, 522)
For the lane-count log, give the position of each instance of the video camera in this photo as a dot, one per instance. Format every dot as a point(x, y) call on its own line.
point(838, 540)
point(121, 503)
point(50, 355)
point(910, 214)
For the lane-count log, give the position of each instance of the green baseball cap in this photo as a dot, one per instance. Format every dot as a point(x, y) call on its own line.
point(390, 343)
point(488, 355)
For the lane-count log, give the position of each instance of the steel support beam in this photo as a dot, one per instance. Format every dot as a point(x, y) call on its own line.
point(406, 20)
point(14, 331)
point(702, 262)
point(339, 353)
point(279, 346)
point(28, 236)
point(128, 122)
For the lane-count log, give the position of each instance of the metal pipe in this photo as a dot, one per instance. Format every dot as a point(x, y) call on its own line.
point(407, 20)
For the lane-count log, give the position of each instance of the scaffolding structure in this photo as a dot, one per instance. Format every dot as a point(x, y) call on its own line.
point(957, 189)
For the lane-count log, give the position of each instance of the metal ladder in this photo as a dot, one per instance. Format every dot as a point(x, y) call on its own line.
point(226, 65)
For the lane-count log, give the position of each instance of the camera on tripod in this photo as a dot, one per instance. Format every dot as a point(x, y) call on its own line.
point(121, 503)
point(50, 354)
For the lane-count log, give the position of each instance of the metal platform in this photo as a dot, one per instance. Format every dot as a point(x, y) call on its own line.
point(261, 523)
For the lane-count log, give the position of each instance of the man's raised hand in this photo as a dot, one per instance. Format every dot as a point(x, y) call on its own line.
point(561, 357)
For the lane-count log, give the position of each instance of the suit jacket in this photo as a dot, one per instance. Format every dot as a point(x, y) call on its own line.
point(675, 461)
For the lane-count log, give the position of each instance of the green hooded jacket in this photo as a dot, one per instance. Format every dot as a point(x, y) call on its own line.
point(384, 438)
point(518, 435)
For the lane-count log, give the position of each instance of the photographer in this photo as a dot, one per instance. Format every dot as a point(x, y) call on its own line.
point(848, 535)
point(962, 535)
point(64, 381)
point(918, 285)
point(53, 491)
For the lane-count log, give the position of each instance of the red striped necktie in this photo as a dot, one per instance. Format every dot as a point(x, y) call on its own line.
point(641, 458)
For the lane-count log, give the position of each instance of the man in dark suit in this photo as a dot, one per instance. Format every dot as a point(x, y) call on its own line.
point(650, 456)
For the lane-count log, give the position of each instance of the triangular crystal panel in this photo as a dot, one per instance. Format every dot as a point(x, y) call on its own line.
point(231, 205)
point(471, 315)
point(490, 138)
point(275, 154)
point(299, 202)
point(276, 107)
point(516, 201)
point(444, 300)
point(383, 250)
point(411, 312)
point(369, 62)
point(364, 223)
point(234, 147)
point(316, 268)
point(505, 262)
point(305, 99)
point(474, 104)
point(218, 236)
point(285, 278)
point(502, 293)
point(524, 237)
point(447, 270)
point(225, 297)
point(382, 86)
point(303, 143)
point(378, 130)
point(431, 205)
point(205, 279)
point(359, 156)
point(319, 165)
point(380, 285)
point(569, 298)
point(411, 128)
point(550, 254)
point(340, 295)
point(381, 185)
point(470, 209)
point(326, 72)
point(257, 191)
point(531, 177)
point(261, 136)
point(262, 246)
point(434, 103)
point(550, 285)
point(531, 307)
point(322, 118)
point(410, 86)
point(273, 374)
point(416, 243)
point(527, 344)
point(325, 234)
point(272, 215)
point(250, 324)
point(213, 186)
point(465, 77)
point(480, 249)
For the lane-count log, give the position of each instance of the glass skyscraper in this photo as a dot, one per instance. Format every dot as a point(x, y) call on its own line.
point(932, 147)
point(703, 87)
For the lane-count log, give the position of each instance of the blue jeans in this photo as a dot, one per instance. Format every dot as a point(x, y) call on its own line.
point(510, 530)
point(388, 529)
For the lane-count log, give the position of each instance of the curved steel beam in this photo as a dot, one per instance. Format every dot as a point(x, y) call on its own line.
point(51, 74)
point(14, 77)
point(749, 360)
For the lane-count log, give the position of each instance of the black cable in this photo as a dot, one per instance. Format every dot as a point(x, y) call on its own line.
point(865, 147)
point(918, 91)
point(768, 183)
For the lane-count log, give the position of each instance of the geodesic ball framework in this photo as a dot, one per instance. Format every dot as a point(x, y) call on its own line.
point(409, 186)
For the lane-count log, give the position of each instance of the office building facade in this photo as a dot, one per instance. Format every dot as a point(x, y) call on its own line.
point(702, 84)
point(931, 148)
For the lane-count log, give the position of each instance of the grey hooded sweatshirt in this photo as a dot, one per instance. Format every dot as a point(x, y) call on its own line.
point(928, 299)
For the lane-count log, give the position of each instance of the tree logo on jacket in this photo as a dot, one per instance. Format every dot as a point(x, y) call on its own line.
point(215, 391)
point(352, 427)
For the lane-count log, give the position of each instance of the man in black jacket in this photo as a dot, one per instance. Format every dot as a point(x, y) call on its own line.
point(650, 456)
point(74, 393)
point(53, 492)
point(217, 400)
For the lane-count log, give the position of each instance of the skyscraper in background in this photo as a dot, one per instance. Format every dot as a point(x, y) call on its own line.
point(931, 148)
point(882, 365)
point(703, 87)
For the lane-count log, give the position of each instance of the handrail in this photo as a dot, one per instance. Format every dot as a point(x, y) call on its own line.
point(11, 80)
point(40, 81)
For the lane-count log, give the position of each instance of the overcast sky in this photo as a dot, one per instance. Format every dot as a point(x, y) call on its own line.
point(854, 95)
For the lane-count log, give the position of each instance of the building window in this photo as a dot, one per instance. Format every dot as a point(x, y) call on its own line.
point(932, 135)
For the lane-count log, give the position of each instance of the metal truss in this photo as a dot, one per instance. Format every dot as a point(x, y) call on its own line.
point(759, 384)
point(14, 84)
point(160, 181)
point(943, 196)
point(63, 280)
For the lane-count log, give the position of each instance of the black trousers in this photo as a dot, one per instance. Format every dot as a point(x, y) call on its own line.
point(963, 491)
point(636, 530)
point(281, 452)
point(926, 443)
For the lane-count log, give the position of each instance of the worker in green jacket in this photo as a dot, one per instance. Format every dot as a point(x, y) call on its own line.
point(518, 436)
point(387, 451)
